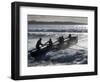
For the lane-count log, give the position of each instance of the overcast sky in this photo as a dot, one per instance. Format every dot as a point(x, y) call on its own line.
point(49, 18)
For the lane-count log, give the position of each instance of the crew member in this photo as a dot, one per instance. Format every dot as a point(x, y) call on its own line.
point(50, 43)
point(39, 44)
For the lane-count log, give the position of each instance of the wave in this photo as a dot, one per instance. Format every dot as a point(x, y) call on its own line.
point(33, 35)
point(65, 57)
point(58, 30)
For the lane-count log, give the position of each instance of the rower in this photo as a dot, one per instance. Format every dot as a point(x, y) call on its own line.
point(50, 43)
point(69, 36)
point(38, 44)
point(61, 40)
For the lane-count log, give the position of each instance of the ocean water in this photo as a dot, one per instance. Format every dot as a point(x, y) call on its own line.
point(75, 54)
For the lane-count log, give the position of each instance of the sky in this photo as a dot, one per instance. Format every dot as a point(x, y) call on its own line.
point(49, 18)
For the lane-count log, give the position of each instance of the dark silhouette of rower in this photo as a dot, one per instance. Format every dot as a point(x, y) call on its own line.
point(50, 43)
point(61, 40)
point(69, 36)
point(39, 44)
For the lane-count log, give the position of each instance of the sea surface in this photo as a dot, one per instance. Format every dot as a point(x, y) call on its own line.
point(75, 54)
